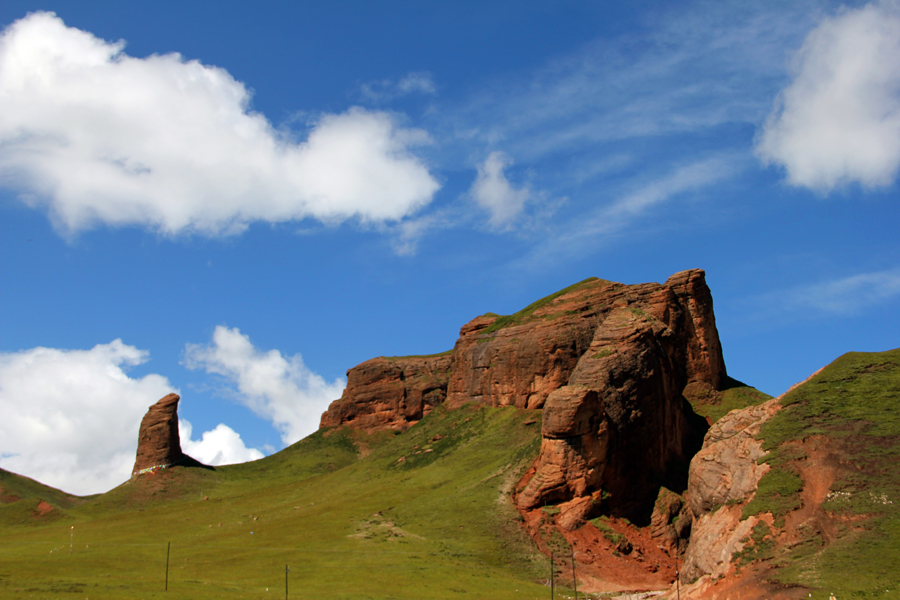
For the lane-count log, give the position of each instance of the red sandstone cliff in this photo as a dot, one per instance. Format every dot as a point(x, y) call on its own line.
point(390, 393)
point(609, 364)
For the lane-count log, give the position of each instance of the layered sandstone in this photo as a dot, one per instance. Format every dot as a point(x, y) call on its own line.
point(390, 393)
point(158, 443)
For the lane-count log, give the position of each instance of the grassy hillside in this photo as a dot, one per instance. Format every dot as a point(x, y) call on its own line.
point(734, 395)
point(25, 501)
point(840, 430)
point(421, 514)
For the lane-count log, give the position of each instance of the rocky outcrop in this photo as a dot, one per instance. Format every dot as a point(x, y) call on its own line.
point(649, 346)
point(574, 448)
point(158, 443)
point(390, 393)
point(724, 475)
point(609, 364)
point(726, 470)
point(670, 522)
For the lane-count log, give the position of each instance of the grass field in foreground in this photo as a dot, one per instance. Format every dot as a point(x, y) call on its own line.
point(425, 514)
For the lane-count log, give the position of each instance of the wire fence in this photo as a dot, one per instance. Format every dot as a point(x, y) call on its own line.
point(101, 569)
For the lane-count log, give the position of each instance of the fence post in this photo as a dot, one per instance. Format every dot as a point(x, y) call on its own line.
point(551, 575)
point(168, 548)
point(71, 537)
point(287, 570)
point(574, 581)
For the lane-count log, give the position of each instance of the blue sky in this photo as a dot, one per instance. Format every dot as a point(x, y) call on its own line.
point(240, 201)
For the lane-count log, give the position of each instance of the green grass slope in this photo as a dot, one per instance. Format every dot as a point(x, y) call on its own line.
point(734, 395)
point(26, 501)
point(527, 314)
point(422, 514)
point(851, 411)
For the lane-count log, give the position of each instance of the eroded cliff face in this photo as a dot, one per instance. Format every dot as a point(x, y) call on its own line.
point(652, 345)
point(390, 393)
point(609, 364)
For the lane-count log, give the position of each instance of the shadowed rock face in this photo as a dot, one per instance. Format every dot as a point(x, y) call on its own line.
point(158, 441)
point(611, 366)
point(652, 345)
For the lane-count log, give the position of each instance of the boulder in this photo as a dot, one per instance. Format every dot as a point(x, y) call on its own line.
point(573, 449)
point(726, 469)
point(670, 522)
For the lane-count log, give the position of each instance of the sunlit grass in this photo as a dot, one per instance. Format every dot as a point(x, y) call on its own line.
point(436, 524)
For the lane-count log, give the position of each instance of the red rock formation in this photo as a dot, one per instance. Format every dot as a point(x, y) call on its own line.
point(649, 346)
point(610, 365)
point(534, 351)
point(158, 441)
point(390, 393)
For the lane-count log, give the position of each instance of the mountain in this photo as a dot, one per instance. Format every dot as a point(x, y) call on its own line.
point(592, 439)
point(612, 367)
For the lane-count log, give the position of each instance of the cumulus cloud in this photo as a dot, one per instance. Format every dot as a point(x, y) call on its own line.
point(839, 120)
point(494, 193)
point(71, 417)
point(100, 137)
point(278, 388)
point(221, 446)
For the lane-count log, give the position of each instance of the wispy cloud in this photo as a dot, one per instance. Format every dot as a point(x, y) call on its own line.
point(845, 296)
point(690, 69)
point(839, 120)
point(626, 123)
point(493, 192)
point(593, 230)
point(384, 90)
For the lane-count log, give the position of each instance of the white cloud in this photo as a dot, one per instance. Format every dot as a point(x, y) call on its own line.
point(71, 417)
point(221, 446)
point(98, 136)
point(839, 120)
point(494, 193)
point(281, 389)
